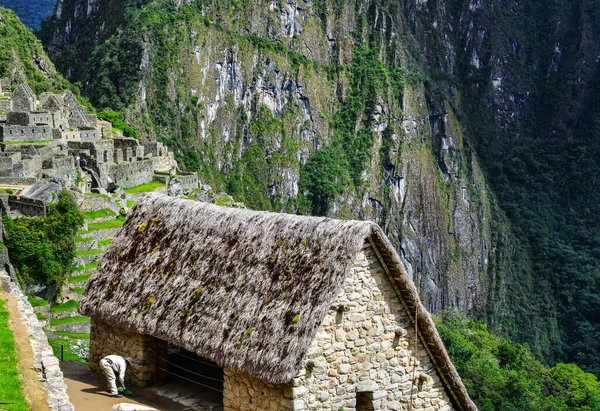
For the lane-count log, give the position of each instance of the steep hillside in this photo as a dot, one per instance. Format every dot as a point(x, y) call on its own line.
point(288, 111)
point(375, 109)
point(31, 12)
point(22, 58)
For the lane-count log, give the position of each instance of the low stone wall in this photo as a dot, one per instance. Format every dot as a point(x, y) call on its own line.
point(242, 392)
point(17, 181)
point(132, 174)
point(106, 340)
point(44, 359)
point(26, 206)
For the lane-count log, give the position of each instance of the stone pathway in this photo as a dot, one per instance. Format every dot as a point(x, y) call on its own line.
point(192, 396)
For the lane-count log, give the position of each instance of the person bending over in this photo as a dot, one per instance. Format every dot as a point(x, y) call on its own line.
point(114, 365)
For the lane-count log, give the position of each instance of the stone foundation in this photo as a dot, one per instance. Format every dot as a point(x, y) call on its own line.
point(106, 340)
point(242, 392)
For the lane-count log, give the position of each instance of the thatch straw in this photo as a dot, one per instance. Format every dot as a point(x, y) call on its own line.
point(245, 289)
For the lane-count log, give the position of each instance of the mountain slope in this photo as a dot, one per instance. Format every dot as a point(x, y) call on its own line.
point(22, 58)
point(375, 109)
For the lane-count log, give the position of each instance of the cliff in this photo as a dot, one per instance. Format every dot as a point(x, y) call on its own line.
point(415, 114)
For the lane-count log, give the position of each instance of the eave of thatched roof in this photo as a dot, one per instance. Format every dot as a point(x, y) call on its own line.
point(245, 289)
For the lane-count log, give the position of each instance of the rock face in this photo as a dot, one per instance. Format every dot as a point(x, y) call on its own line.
point(260, 111)
point(374, 110)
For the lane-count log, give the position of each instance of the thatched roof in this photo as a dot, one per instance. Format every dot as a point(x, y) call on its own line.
point(245, 289)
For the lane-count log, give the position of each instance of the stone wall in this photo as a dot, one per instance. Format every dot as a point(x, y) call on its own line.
point(44, 360)
point(364, 356)
point(131, 174)
point(62, 168)
point(80, 135)
point(40, 118)
point(29, 133)
point(9, 160)
point(17, 181)
point(23, 206)
point(243, 392)
point(17, 118)
point(189, 182)
point(5, 105)
point(106, 340)
point(366, 350)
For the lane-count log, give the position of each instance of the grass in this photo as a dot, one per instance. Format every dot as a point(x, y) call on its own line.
point(79, 336)
point(88, 266)
point(58, 308)
point(2, 244)
point(79, 278)
point(83, 239)
point(105, 212)
point(41, 317)
point(28, 142)
point(98, 195)
point(88, 252)
point(153, 185)
point(69, 355)
point(77, 290)
point(130, 203)
point(36, 301)
point(118, 222)
point(67, 320)
point(10, 384)
point(104, 243)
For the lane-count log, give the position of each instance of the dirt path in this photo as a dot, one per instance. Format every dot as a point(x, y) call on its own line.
point(32, 387)
point(87, 390)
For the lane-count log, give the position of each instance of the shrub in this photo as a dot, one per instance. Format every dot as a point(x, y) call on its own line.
point(42, 248)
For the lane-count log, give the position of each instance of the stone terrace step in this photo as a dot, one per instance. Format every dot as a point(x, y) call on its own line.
point(102, 234)
point(88, 258)
point(64, 314)
point(81, 327)
point(86, 245)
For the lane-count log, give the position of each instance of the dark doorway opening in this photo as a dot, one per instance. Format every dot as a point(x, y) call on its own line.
point(364, 401)
point(190, 378)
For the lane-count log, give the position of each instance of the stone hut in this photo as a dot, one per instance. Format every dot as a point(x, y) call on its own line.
point(300, 312)
point(23, 98)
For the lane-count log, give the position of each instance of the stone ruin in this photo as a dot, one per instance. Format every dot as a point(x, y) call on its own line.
point(53, 137)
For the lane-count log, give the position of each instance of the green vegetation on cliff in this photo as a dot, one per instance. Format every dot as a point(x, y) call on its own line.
point(42, 249)
point(22, 58)
point(536, 133)
point(500, 375)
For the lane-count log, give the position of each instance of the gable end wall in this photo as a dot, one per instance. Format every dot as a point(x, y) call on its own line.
point(356, 350)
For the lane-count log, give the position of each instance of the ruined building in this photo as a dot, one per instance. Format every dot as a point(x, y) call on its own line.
point(54, 137)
